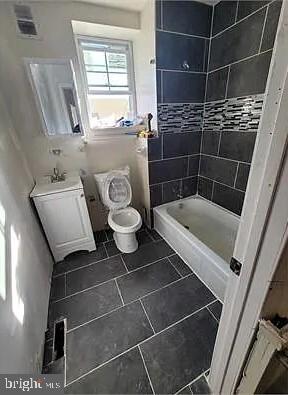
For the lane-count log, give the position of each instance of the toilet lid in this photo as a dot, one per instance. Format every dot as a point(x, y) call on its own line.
point(117, 191)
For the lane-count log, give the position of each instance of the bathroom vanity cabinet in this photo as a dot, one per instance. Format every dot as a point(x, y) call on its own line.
point(64, 216)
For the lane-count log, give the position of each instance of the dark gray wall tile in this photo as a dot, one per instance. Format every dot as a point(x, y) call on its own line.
point(193, 165)
point(206, 54)
point(123, 375)
point(229, 198)
point(237, 145)
point(159, 86)
point(182, 87)
point(173, 49)
point(216, 85)
point(238, 42)
point(158, 13)
point(57, 290)
point(155, 148)
point(224, 15)
point(171, 191)
point(218, 169)
point(210, 143)
point(205, 188)
point(168, 169)
point(189, 186)
point(188, 17)
point(271, 25)
point(242, 176)
point(249, 76)
point(156, 195)
point(180, 144)
point(246, 7)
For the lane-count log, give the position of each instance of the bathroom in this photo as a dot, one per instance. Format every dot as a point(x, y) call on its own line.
point(135, 215)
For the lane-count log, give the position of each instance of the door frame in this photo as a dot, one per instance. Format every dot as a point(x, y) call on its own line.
point(263, 227)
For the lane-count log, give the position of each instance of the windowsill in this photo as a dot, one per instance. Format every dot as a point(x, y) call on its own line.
point(109, 133)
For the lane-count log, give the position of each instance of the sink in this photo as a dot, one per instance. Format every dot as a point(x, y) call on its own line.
point(45, 187)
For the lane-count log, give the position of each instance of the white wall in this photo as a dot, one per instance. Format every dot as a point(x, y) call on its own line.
point(57, 41)
point(27, 262)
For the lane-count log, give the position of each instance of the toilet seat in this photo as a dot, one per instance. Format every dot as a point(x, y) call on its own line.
point(126, 220)
point(117, 191)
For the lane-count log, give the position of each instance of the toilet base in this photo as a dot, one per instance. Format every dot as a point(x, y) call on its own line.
point(126, 242)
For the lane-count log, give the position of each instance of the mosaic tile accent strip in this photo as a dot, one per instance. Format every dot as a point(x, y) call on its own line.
point(180, 117)
point(240, 114)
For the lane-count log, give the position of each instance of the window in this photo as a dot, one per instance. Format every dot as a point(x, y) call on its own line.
point(109, 81)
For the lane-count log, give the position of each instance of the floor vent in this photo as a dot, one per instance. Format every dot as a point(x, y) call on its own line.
point(59, 340)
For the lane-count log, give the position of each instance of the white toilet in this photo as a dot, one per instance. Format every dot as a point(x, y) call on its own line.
point(116, 194)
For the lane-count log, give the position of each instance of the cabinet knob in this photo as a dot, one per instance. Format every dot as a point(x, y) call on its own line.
point(82, 195)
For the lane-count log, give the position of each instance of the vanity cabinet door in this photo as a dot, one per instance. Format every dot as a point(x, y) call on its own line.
point(66, 222)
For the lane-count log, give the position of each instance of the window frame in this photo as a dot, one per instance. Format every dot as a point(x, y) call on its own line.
point(130, 75)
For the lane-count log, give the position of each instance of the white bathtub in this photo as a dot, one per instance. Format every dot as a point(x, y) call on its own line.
point(203, 234)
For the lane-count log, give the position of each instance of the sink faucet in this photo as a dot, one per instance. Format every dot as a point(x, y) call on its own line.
point(57, 176)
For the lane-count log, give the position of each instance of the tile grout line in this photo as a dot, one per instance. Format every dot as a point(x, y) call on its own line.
point(193, 381)
point(213, 315)
point(182, 34)
point(146, 369)
point(123, 304)
point(239, 61)
point(221, 183)
point(175, 267)
point(132, 301)
point(223, 157)
point(236, 175)
point(142, 342)
point(145, 312)
point(236, 12)
point(227, 81)
point(181, 71)
point(263, 29)
point(239, 20)
point(121, 257)
point(93, 263)
point(117, 277)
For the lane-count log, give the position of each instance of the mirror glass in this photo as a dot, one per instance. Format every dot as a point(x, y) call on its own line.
point(53, 85)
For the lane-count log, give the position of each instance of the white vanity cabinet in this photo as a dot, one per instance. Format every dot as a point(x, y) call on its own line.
point(64, 215)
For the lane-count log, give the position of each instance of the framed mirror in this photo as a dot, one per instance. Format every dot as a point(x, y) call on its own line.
point(53, 85)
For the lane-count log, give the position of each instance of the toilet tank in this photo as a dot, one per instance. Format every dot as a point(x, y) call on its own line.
point(101, 177)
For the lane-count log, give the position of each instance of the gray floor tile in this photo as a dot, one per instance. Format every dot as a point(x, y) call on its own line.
point(216, 309)
point(143, 237)
point(95, 343)
point(86, 305)
point(57, 288)
point(79, 259)
point(123, 375)
point(147, 253)
point(136, 284)
point(154, 234)
point(200, 386)
point(172, 303)
point(180, 265)
point(100, 236)
point(181, 353)
point(91, 275)
point(111, 248)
